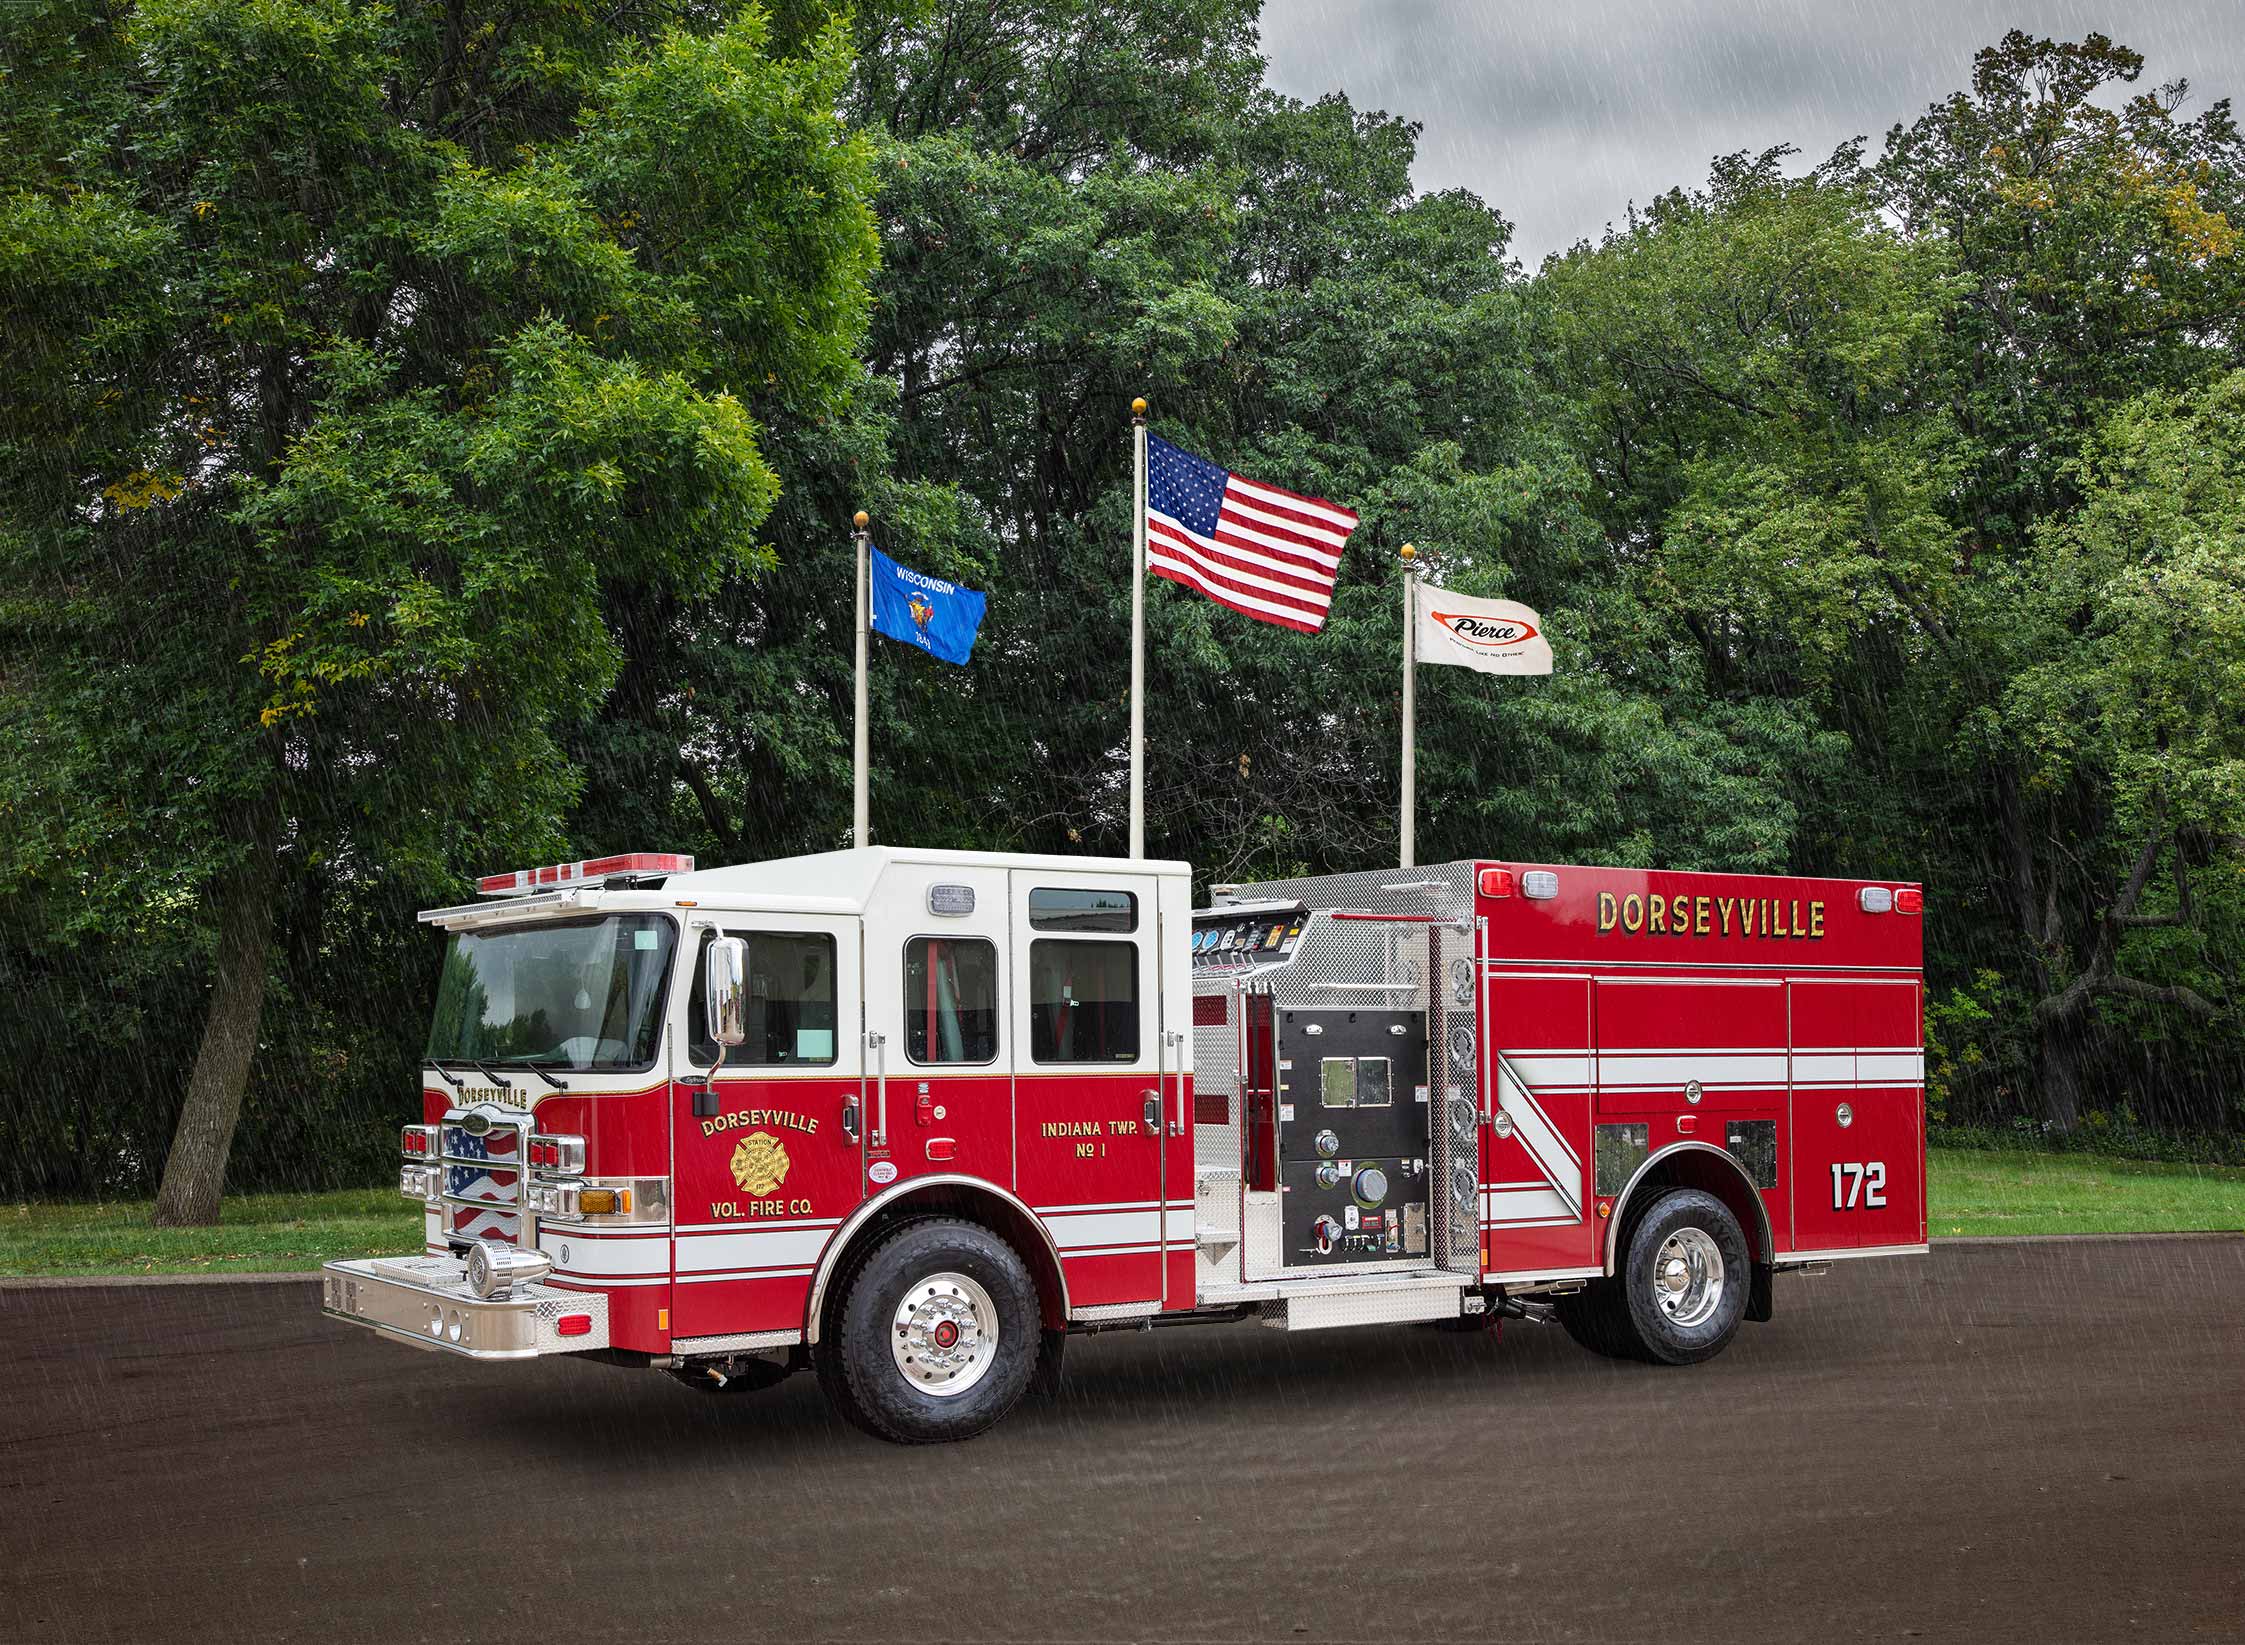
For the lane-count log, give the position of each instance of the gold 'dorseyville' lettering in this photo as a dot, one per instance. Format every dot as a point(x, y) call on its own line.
point(1658, 914)
point(760, 1117)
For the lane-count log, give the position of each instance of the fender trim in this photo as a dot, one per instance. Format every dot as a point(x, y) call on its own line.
point(831, 1258)
point(1621, 1200)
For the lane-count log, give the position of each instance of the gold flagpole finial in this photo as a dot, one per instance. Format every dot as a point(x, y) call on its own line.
point(1408, 553)
point(861, 519)
point(1138, 409)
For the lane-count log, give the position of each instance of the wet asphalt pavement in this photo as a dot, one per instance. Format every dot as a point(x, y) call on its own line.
point(2040, 1441)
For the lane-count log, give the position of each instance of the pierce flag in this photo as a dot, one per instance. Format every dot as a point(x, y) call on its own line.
point(941, 618)
point(1494, 636)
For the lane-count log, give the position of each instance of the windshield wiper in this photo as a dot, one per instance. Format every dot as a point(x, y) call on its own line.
point(487, 1072)
point(526, 1063)
point(446, 1075)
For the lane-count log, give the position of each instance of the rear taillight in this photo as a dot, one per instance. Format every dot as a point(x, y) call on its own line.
point(1909, 900)
point(1496, 882)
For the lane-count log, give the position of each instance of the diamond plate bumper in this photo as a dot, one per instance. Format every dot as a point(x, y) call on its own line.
point(426, 1301)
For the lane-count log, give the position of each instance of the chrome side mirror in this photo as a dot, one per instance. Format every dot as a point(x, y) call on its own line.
point(725, 991)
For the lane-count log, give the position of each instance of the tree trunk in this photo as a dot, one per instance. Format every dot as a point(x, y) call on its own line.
point(2058, 1072)
point(195, 1168)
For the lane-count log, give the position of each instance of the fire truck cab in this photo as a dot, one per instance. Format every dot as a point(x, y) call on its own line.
point(914, 1118)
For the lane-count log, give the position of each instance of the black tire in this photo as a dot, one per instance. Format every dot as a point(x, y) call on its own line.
point(1672, 1327)
point(1597, 1319)
point(978, 1285)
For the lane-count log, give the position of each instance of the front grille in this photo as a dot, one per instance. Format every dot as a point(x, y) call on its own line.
point(484, 1148)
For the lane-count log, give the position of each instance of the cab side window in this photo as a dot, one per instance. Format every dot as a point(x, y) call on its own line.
point(1083, 1001)
point(950, 999)
point(791, 1017)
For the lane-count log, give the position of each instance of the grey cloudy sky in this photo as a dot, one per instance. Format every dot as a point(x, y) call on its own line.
point(1560, 112)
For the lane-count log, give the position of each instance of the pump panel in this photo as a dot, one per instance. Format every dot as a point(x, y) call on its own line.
point(1352, 1136)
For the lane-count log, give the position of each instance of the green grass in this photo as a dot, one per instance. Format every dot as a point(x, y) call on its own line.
point(1973, 1192)
point(1976, 1192)
point(256, 1234)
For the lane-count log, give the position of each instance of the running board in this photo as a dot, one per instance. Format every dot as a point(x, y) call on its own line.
point(1392, 1302)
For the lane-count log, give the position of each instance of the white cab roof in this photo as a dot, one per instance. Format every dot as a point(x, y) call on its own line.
point(842, 882)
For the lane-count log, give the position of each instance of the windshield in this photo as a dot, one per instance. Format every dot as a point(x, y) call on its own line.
point(565, 993)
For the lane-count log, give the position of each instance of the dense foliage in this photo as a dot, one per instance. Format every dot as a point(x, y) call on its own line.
point(430, 431)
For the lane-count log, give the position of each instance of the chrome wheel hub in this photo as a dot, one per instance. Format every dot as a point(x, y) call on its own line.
point(945, 1334)
point(1688, 1277)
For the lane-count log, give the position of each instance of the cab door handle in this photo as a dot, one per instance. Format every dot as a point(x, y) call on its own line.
point(1153, 1113)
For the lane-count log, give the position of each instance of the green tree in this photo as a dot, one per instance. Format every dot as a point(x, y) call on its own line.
point(361, 355)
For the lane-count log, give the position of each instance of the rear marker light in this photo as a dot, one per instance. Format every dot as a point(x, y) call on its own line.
point(1874, 899)
point(573, 1325)
point(1496, 882)
point(1909, 902)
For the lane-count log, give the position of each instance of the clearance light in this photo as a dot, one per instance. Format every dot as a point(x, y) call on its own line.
point(590, 870)
point(1496, 882)
point(1539, 885)
point(1909, 900)
point(1874, 899)
point(573, 1325)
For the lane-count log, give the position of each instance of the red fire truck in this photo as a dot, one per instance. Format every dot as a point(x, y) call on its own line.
point(913, 1119)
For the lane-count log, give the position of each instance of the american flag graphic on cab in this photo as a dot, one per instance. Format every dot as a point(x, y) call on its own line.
point(1266, 552)
point(478, 1182)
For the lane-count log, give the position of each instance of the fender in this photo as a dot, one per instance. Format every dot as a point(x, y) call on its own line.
point(1621, 1201)
point(831, 1258)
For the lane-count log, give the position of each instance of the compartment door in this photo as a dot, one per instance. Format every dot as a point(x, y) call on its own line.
point(1536, 1145)
point(1857, 1166)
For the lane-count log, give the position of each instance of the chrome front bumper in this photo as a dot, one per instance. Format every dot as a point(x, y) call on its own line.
point(426, 1301)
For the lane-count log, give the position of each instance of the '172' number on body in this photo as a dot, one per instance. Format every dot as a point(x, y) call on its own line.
point(1857, 1183)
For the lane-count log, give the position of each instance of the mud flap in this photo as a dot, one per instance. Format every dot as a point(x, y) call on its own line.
point(1052, 1347)
point(1761, 1295)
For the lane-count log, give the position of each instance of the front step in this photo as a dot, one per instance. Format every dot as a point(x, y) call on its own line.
point(1390, 1302)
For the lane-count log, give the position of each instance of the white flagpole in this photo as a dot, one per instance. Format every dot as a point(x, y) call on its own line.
point(859, 809)
point(1410, 821)
point(1138, 629)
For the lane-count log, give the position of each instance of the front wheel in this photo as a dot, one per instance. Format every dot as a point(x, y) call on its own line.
point(936, 1337)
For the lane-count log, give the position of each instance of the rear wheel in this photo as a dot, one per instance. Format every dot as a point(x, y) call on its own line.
point(1686, 1277)
point(1679, 1292)
point(936, 1334)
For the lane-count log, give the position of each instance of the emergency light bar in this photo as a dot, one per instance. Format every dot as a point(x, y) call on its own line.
point(591, 870)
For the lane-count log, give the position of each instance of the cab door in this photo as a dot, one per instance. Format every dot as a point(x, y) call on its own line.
point(1095, 1076)
point(767, 1153)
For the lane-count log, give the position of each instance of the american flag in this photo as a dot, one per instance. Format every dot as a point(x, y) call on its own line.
point(1264, 551)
